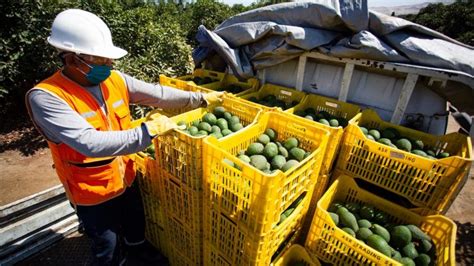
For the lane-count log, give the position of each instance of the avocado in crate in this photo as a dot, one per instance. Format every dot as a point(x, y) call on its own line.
point(271, 95)
point(272, 101)
point(352, 226)
point(219, 123)
point(405, 243)
point(428, 170)
point(232, 88)
point(200, 80)
point(322, 117)
point(268, 154)
point(391, 137)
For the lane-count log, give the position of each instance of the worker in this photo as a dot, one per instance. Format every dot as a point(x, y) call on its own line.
point(83, 112)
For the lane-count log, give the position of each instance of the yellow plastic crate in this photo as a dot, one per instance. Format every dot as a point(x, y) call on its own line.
point(282, 93)
point(427, 183)
point(153, 208)
point(184, 245)
point(155, 234)
point(202, 73)
point(183, 212)
point(248, 86)
point(296, 254)
point(242, 207)
point(318, 191)
point(179, 157)
point(329, 243)
point(181, 85)
point(147, 173)
point(180, 154)
point(335, 108)
point(230, 244)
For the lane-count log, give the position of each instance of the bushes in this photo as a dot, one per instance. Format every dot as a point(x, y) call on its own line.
point(156, 43)
point(455, 20)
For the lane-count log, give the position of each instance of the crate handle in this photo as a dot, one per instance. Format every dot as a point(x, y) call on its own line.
point(333, 105)
point(238, 108)
point(213, 74)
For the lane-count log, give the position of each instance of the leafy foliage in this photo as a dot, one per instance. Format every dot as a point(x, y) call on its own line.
point(209, 13)
point(455, 20)
point(155, 42)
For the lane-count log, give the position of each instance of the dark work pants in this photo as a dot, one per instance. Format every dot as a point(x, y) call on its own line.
point(106, 223)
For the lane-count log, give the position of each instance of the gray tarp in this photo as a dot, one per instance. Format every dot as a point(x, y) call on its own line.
point(346, 28)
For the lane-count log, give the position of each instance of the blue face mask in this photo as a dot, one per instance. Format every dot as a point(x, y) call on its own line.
point(98, 73)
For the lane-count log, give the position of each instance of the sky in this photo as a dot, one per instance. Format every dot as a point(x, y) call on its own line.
point(372, 3)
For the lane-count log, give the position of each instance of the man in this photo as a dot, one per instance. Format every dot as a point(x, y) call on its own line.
point(83, 112)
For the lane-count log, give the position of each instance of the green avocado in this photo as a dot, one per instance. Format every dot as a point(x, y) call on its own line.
point(403, 144)
point(363, 233)
point(209, 118)
point(255, 148)
point(401, 236)
point(290, 143)
point(378, 243)
point(278, 161)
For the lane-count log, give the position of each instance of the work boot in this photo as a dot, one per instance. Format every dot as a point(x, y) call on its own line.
point(145, 254)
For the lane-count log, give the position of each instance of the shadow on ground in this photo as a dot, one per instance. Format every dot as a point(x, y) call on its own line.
point(465, 244)
point(75, 250)
point(18, 134)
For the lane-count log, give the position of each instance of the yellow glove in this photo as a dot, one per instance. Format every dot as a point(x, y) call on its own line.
point(213, 97)
point(157, 124)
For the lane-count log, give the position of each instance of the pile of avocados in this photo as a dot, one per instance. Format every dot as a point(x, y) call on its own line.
point(218, 123)
point(202, 80)
point(322, 117)
point(271, 100)
point(405, 243)
point(268, 154)
point(391, 137)
point(232, 88)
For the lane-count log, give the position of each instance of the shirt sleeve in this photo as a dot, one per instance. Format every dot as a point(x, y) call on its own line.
point(160, 96)
point(61, 124)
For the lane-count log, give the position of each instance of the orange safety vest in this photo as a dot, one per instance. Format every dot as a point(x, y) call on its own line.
point(90, 181)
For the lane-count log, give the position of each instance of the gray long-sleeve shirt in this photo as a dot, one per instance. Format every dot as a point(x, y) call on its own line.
point(61, 124)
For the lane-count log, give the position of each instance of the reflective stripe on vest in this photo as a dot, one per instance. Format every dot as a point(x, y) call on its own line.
point(90, 181)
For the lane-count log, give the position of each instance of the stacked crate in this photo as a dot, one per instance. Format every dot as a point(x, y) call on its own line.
point(180, 85)
point(148, 180)
point(331, 244)
point(290, 96)
point(179, 159)
point(431, 184)
point(296, 255)
point(344, 111)
point(243, 206)
point(218, 81)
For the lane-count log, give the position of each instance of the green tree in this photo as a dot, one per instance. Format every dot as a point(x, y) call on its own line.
point(209, 13)
point(156, 43)
point(455, 20)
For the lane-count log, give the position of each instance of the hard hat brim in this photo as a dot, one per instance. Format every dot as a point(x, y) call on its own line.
point(112, 52)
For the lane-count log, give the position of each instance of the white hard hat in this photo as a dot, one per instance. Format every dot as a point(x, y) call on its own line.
point(82, 32)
